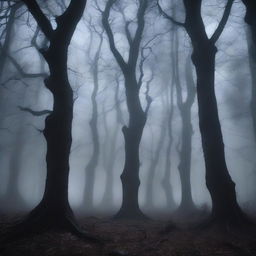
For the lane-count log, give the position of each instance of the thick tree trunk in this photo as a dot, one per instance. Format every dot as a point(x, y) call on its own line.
point(132, 136)
point(57, 133)
point(225, 208)
point(54, 212)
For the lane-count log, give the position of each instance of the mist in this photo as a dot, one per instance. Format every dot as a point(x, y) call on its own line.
point(137, 110)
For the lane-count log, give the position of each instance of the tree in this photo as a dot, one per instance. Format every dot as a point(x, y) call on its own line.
point(93, 161)
point(137, 116)
point(111, 146)
point(187, 205)
point(54, 210)
point(225, 209)
point(250, 19)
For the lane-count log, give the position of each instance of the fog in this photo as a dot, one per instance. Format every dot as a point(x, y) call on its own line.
point(23, 146)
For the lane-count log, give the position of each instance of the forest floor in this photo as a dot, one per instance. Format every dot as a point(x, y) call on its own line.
point(130, 238)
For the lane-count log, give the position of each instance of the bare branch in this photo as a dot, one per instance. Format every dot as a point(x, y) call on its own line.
point(23, 73)
point(223, 22)
point(35, 113)
point(40, 17)
point(105, 22)
point(165, 15)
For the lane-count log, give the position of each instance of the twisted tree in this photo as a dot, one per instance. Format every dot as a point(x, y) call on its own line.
point(137, 116)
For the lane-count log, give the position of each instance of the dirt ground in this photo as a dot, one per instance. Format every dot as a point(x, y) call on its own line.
point(129, 238)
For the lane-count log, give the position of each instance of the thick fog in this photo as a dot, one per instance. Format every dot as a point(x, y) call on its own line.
point(25, 103)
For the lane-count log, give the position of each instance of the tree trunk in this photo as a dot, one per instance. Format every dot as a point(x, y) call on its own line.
point(93, 162)
point(111, 158)
point(184, 167)
point(132, 137)
point(54, 212)
point(149, 202)
point(225, 208)
point(187, 205)
point(252, 63)
point(57, 133)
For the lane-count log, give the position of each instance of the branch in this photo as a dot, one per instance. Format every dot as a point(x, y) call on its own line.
point(148, 98)
point(69, 19)
point(142, 61)
point(223, 22)
point(165, 15)
point(127, 23)
point(21, 71)
point(106, 25)
point(40, 18)
point(35, 113)
point(135, 47)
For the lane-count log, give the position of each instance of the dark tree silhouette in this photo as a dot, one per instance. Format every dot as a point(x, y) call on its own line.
point(225, 209)
point(187, 205)
point(137, 116)
point(54, 212)
point(250, 19)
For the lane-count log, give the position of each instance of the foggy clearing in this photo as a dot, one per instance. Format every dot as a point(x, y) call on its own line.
point(127, 127)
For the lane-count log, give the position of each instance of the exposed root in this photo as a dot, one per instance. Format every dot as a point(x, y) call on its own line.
point(41, 220)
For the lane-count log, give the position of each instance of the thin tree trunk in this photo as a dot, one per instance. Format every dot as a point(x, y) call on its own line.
point(93, 162)
point(187, 205)
point(149, 202)
point(108, 195)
